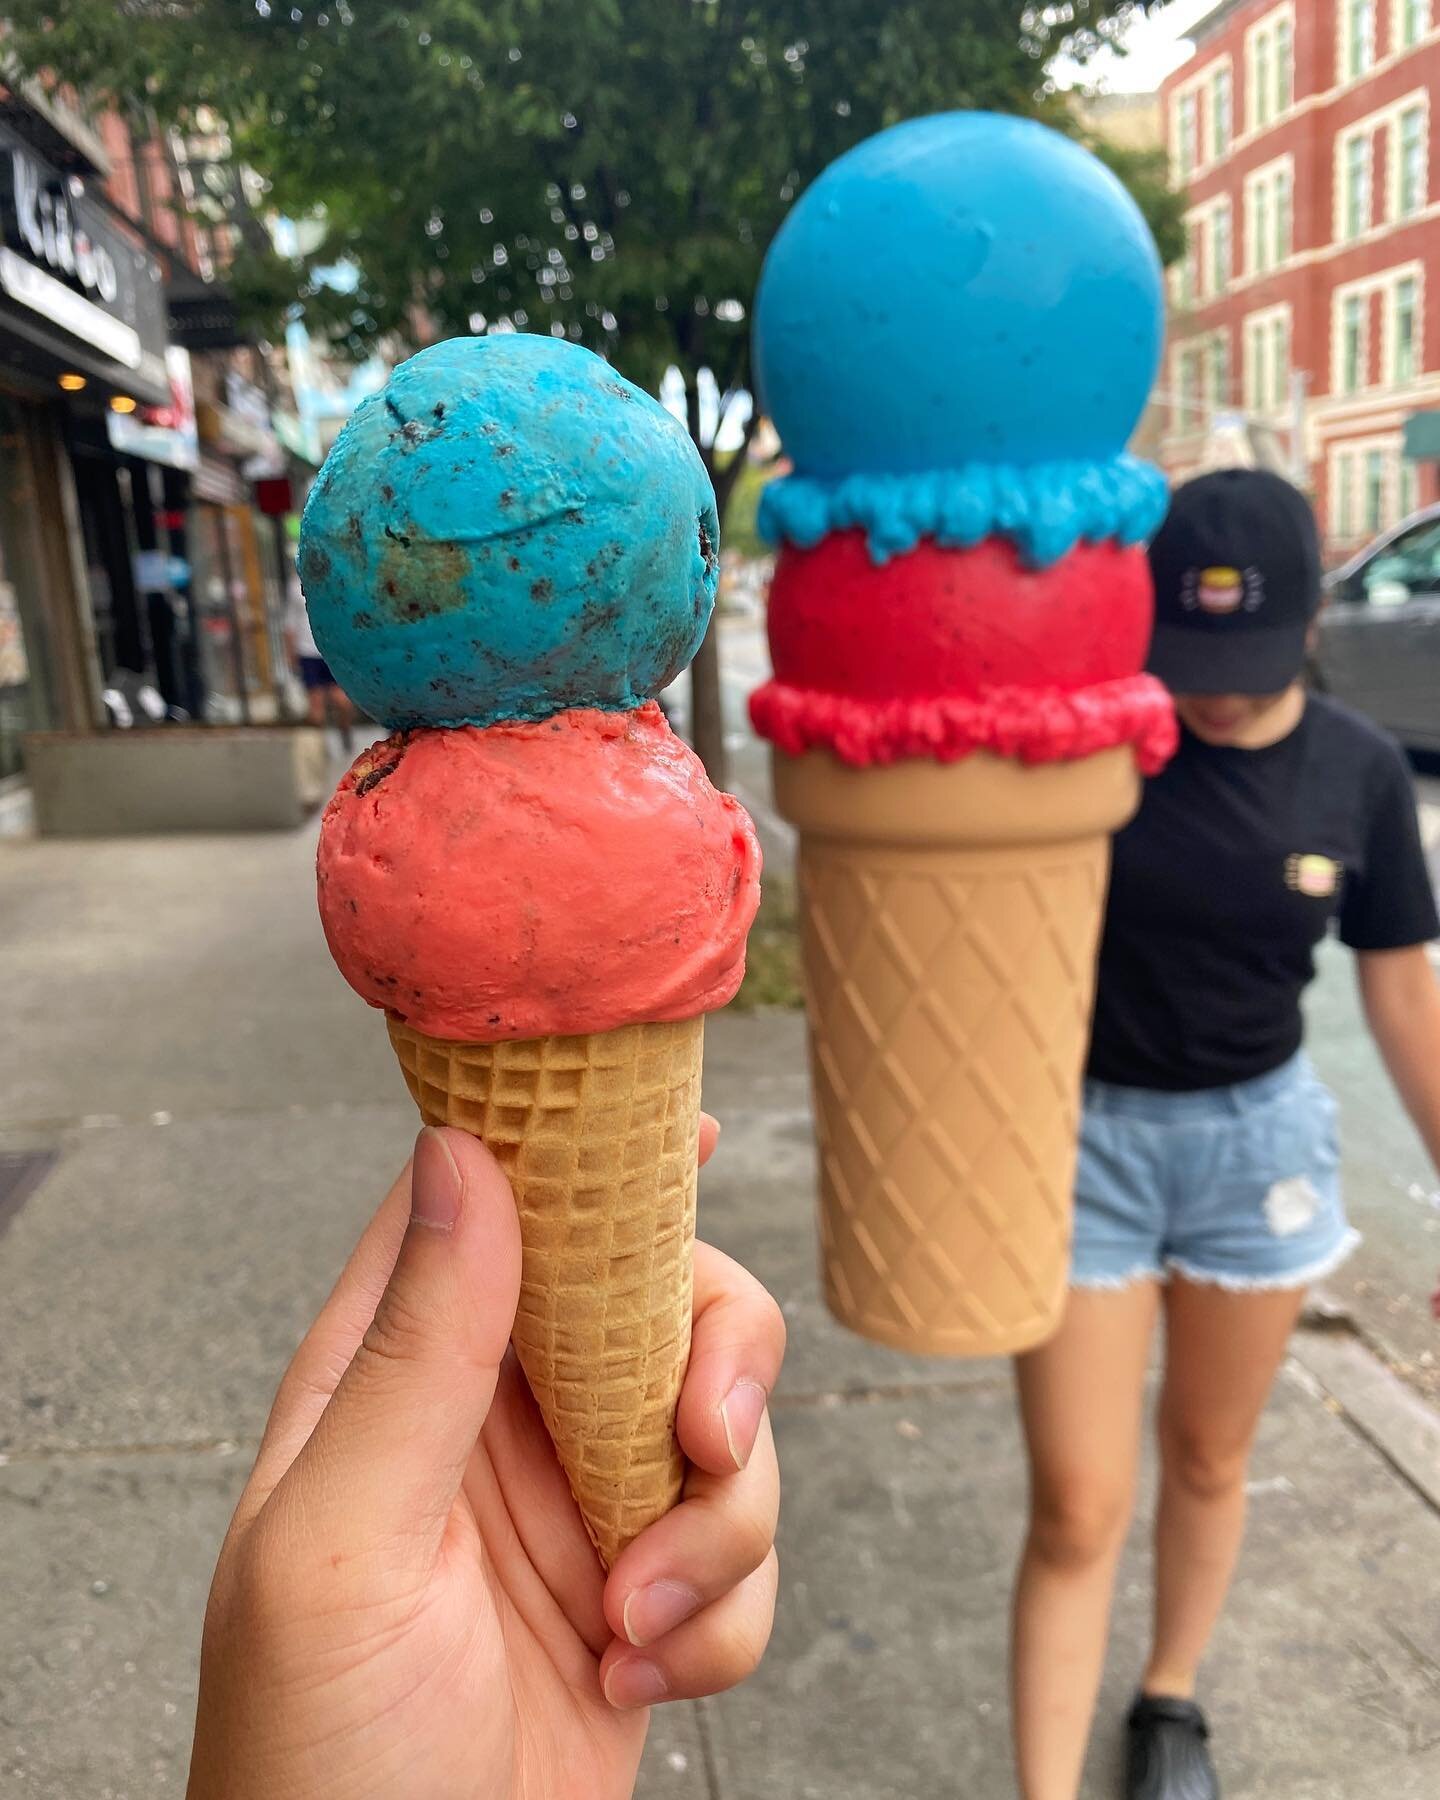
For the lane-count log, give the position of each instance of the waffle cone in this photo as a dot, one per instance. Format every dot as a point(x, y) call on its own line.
point(950, 915)
point(597, 1135)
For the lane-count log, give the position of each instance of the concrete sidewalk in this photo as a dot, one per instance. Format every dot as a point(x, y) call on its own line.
point(224, 1115)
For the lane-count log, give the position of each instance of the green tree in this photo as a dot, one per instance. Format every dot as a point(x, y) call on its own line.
point(610, 170)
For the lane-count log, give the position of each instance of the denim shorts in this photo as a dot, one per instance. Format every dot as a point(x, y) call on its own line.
point(1239, 1186)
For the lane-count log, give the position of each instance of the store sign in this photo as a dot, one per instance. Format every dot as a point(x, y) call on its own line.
point(46, 222)
point(43, 294)
point(162, 434)
point(73, 267)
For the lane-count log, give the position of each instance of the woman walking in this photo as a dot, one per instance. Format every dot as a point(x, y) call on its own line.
point(1208, 1194)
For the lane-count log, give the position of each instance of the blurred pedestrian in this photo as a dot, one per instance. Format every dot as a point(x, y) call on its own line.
point(326, 701)
point(1208, 1186)
point(407, 1603)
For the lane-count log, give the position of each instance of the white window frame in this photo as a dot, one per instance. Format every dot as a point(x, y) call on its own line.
point(1352, 290)
point(1184, 424)
point(1200, 235)
point(1356, 452)
point(1362, 128)
point(1409, 495)
point(1268, 28)
point(1214, 72)
point(1346, 75)
point(1269, 176)
point(1212, 341)
point(1189, 96)
point(1201, 83)
point(1387, 284)
point(1266, 389)
point(1398, 9)
point(1416, 101)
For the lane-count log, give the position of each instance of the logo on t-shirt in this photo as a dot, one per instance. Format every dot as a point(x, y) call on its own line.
point(1222, 590)
point(1317, 877)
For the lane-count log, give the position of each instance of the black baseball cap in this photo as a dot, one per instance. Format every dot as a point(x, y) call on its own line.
point(1236, 567)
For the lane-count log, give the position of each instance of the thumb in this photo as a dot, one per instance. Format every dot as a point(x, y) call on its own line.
point(386, 1459)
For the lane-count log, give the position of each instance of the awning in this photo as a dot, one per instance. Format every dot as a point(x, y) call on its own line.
point(1422, 436)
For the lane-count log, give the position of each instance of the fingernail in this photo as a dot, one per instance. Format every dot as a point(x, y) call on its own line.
point(741, 1411)
point(652, 1611)
point(633, 1682)
point(435, 1183)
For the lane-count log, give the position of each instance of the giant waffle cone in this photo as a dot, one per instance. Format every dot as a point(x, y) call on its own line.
point(597, 1135)
point(950, 919)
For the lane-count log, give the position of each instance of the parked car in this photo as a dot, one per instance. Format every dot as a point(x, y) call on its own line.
point(1379, 639)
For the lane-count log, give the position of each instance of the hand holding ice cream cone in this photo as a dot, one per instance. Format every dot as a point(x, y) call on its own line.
point(509, 551)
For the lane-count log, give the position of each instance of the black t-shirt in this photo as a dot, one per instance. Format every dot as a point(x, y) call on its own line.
point(1227, 879)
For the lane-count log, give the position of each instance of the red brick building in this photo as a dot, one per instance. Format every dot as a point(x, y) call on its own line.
point(1302, 132)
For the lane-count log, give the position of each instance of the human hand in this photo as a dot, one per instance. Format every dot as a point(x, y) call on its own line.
point(407, 1604)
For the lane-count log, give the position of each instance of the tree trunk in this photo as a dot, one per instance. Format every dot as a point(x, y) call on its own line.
point(707, 712)
point(707, 721)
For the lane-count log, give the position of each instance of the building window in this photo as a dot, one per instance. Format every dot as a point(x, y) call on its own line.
point(1352, 343)
point(1219, 370)
point(1357, 38)
point(1187, 153)
point(1279, 361)
point(1267, 362)
point(1220, 112)
point(1220, 266)
point(1259, 238)
point(1187, 412)
point(1283, 215)
point(1412, 21)
point(1284, 64)
point(1403, 322)
point(1409, 488)
point(1187, 273)
point(1267, 219)
point(1355, 159)
point(1374, 491)
point(1343, 524)
point(1269, 70)
point(1411, 159)
point(1262, 87)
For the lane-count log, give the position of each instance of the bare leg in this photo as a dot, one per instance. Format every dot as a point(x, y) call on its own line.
point(1080, 1402)
point(315, 701)
point(1222, 1353)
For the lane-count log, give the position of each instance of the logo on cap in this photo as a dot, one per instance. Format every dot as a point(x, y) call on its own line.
point(1222, 590)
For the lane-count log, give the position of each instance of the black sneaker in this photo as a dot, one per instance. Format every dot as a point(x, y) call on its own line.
point(1168, 1757)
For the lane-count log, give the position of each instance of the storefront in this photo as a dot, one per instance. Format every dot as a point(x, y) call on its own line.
point(82, 337)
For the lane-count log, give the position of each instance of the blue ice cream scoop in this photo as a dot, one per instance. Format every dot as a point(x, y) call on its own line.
point(509, 528)
point(956, 329)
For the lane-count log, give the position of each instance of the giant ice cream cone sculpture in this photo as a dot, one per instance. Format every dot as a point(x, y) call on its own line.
point(508, 551)
point(956, 331)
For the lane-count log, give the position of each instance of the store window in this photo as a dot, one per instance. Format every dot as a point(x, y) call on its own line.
point(26, 694)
